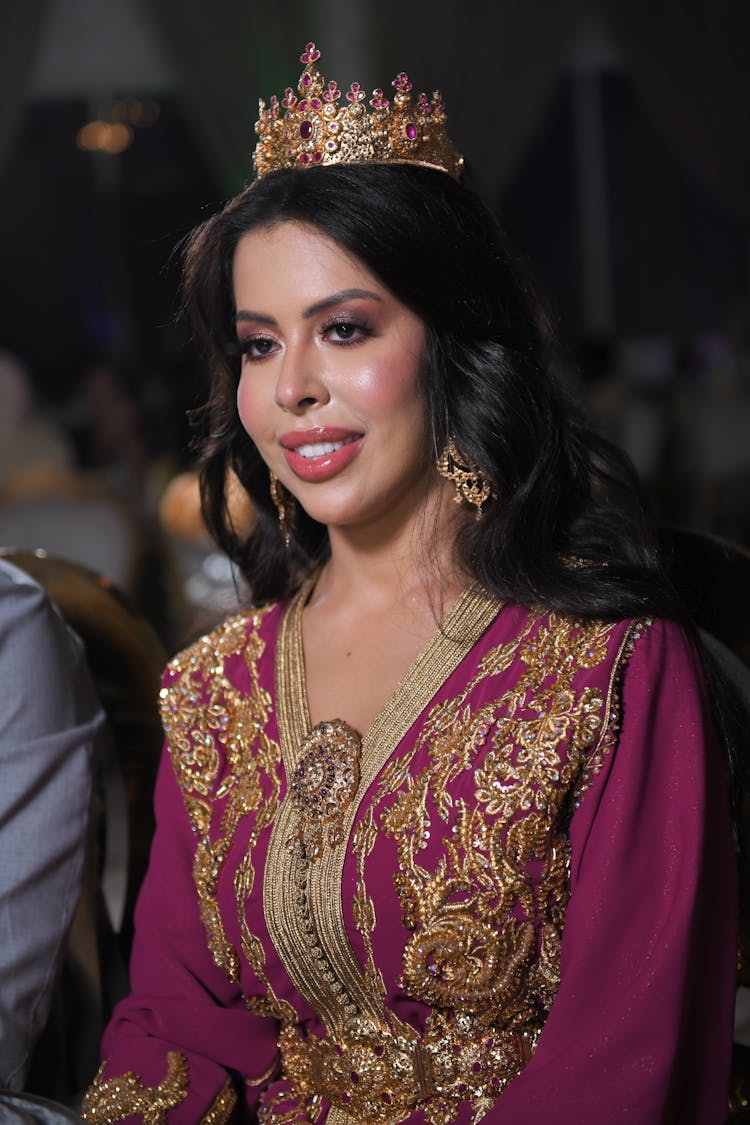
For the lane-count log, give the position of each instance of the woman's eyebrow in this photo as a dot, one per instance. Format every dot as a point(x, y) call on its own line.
point(246, 314)
point(337, 298)
point(319, 306)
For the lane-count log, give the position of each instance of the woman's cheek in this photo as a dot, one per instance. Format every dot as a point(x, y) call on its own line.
point(383, 389)
point(246, 408)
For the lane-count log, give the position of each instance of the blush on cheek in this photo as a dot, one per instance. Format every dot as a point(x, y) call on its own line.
point(244, 406)
point(386, 388)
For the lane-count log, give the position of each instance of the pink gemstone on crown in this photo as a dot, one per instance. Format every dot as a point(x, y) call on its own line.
point(304, 158)
point(356, 93)
point(332, 92)
point(317, 157)
point(302, 106)
point(423, 105)
point(305, 130)
point(290, 98)
point(377, 101)
point(402, 83)
point(310, 54)
point(316, 103)
point(306, 79)
point(410, 131)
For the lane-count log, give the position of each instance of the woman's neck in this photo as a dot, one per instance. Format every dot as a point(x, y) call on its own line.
point(408, 560)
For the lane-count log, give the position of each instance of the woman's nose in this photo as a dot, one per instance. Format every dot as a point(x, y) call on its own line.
point(301, 383)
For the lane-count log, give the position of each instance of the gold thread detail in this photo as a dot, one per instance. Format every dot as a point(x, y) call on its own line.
point(611, 721)
point(115, 1098)
point(202, 711)
point(222, 1108)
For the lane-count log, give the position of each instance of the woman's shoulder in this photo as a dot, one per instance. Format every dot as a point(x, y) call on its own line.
point(551, 645)
point(545, 633)
point(242, 637)
point(214, 689)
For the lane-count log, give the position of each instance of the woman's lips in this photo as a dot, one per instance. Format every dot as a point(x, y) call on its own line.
point(317, 455)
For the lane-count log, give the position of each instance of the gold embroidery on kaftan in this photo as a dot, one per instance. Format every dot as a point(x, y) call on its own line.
point(125, 1095)
point(200, 710)
point(222, 1108)
point(474, 944)
point(486, 937)
point(485, 944)
point(282, 1108)
point(611, 723)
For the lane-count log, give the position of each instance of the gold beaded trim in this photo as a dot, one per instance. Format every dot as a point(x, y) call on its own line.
point(112, 1100)
point(223, 1107)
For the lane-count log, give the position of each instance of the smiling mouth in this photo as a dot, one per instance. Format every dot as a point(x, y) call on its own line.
point(319, 460)
point(323, 448)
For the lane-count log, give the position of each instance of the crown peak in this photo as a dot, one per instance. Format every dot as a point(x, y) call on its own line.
point(310, 55)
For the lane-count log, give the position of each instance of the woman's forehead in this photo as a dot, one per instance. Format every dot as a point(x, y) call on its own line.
point(297, 258)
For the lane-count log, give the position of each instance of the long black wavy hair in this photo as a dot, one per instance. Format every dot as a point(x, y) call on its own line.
point(565, 529)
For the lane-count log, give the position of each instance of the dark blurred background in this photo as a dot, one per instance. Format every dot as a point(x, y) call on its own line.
point(612, 138)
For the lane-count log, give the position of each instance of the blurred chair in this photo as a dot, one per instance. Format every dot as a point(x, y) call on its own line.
point(28, 1109)
point(77, 518)
point(713, 577)
point(126, 659)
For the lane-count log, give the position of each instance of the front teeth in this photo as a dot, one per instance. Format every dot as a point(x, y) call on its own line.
point(321, 448)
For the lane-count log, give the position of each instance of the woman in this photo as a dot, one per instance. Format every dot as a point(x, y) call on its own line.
point(443, 831)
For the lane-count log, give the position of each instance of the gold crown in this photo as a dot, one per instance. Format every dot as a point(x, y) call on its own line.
point(315, 129)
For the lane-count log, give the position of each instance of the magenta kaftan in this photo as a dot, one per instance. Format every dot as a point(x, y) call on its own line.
point(514, 901)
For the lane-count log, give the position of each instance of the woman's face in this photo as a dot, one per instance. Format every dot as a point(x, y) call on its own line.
point(329, 388)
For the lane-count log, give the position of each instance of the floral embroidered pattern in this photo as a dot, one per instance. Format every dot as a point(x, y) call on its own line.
point(124, 1095)
point(486, 913)
point(203, 712)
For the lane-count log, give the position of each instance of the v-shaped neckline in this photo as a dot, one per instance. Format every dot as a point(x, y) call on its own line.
point(315, 913)
point(453, 638)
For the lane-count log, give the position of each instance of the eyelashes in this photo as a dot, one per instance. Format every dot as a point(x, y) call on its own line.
point(340, 331)
point(345, 330)
point(264, 344)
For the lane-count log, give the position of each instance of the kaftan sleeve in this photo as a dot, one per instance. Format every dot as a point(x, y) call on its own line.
point(184, 1040)
point(641, 1028)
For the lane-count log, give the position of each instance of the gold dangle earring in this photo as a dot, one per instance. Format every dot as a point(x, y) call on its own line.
point(467, 478)
point(284, 503)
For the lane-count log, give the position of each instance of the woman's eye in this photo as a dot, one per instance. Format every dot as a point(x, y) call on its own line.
point(257, 347)
point(345, 332)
